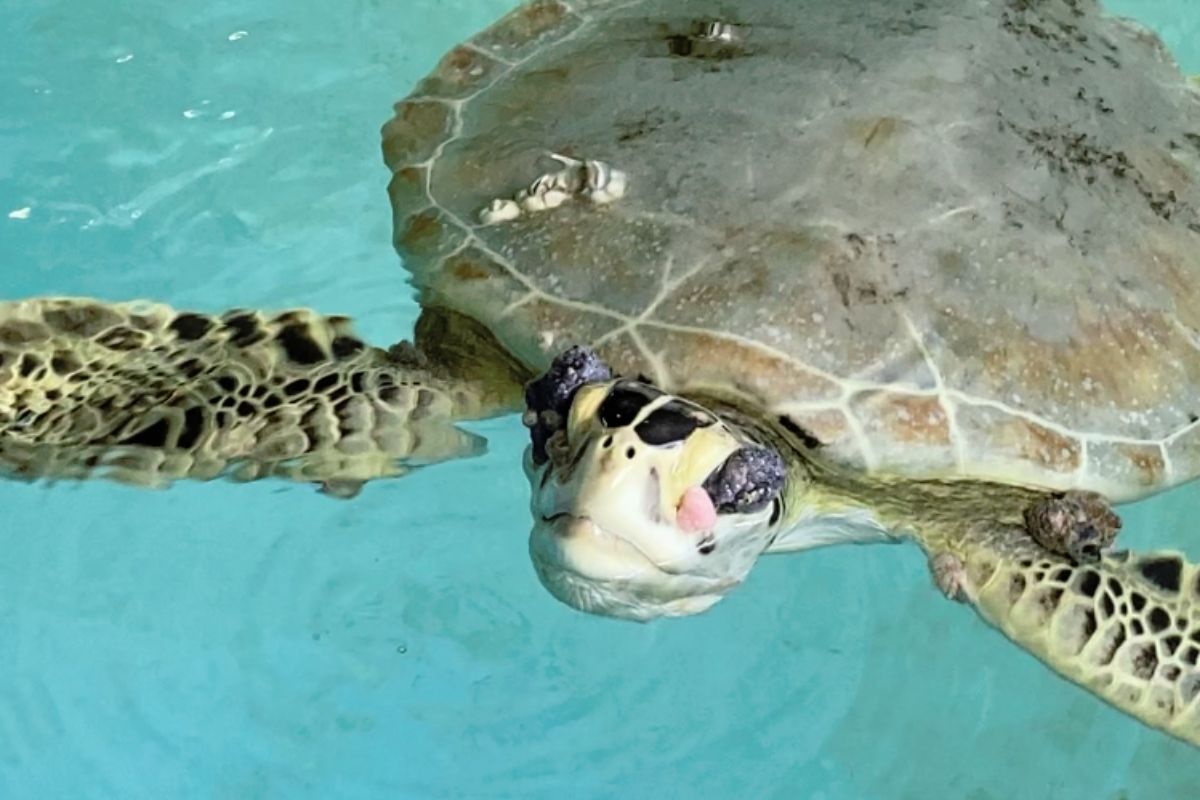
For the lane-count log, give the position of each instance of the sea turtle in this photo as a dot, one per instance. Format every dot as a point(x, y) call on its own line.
point(896, 269)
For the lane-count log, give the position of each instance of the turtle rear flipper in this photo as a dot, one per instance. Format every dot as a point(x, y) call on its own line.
point(1126, 627)
point(145, 394)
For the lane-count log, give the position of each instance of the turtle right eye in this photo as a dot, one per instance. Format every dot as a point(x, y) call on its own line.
point(622, 405)
point(667, 425)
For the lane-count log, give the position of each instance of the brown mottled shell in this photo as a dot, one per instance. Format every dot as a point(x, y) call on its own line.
point(946, 238)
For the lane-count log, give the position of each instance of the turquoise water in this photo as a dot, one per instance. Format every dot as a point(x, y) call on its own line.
point(265, 641)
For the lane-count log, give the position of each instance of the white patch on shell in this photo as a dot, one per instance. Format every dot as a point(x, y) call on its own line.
point(499, 211)
point(603, 184)
point(716, 31)
point(592, 180)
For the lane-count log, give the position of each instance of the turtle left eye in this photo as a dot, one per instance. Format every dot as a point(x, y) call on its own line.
point(666, 425)
point(624, 403)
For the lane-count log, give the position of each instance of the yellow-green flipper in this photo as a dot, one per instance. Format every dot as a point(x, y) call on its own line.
point(145, 394)
point(1126, 627)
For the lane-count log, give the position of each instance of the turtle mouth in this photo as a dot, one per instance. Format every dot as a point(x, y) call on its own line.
point(600, 549)
point(616, 572)
point(568, 525)
point(639, 550)
point(562, 523)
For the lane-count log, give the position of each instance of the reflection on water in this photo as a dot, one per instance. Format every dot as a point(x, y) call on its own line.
point(266, 641)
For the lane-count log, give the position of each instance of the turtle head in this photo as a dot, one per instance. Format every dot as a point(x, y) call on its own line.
point(644, 504)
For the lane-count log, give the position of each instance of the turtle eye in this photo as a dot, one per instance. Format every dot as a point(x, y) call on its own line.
point(623, 404)
point(667, 425)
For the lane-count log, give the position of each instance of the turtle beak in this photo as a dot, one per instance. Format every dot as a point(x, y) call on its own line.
point(640, 505)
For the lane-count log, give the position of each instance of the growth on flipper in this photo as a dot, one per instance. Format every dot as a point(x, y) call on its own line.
point(1079, 525)
point(145, 394)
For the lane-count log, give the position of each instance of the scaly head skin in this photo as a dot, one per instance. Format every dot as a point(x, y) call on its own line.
point(644, 504)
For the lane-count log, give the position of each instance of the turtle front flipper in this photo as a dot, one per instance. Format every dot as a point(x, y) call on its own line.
point(145, 394)
point(1127, 626)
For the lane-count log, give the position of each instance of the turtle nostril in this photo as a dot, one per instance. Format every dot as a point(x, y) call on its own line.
point(630, 453)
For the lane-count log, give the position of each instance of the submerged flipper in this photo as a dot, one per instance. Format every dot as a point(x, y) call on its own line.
point(1127, 627)
point(144, 394)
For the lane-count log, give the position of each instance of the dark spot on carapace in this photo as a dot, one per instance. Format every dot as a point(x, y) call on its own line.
point(679, 45)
